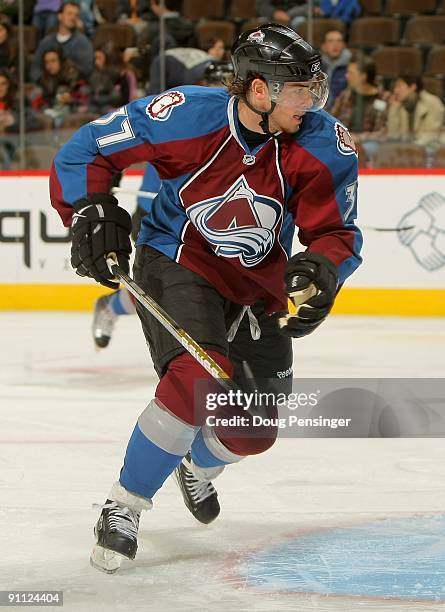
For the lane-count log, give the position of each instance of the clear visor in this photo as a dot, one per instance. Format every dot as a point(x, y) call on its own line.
point(304, 96)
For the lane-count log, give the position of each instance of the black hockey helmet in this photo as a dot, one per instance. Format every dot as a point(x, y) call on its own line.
point(275, 52)
point(216, 73)
point(279, 56)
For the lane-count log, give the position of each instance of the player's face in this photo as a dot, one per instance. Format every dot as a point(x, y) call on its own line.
point(292, 101)
point(291, 108)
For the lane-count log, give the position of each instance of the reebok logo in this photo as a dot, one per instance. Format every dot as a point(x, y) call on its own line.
point(316, 67)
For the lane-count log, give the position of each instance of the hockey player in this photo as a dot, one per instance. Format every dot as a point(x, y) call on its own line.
point(240, 170)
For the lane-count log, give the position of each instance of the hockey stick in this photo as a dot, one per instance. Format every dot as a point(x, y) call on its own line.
point(297, 299)
point(142, 194)
point(195, 350)
point(388, 229)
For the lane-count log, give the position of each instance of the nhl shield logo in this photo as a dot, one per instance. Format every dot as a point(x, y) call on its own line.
point(345, 142)
point(161, 107)
point(256, 37)
point(238, 224)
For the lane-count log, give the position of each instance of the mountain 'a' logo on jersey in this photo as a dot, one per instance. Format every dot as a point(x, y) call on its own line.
point(161, 107)
point(240, 223)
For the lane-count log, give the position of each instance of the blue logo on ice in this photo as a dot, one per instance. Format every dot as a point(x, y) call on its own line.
point(393, 558)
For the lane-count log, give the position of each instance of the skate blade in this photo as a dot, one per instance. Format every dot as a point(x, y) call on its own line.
point(106, 560)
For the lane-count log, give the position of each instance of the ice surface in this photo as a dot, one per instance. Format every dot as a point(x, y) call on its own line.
point(66, 414)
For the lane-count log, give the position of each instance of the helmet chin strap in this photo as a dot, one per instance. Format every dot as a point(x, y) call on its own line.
point(264, 123)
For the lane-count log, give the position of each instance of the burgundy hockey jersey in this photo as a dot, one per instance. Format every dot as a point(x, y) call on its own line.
point(224, 211)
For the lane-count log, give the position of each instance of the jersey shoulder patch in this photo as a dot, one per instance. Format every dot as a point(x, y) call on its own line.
point(323, 131)
point(161, 107)
point(345, 142)
point(181, 113)
point(326, 139)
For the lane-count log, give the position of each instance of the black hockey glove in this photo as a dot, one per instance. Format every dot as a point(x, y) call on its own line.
point(302, 270)
point(100, 227)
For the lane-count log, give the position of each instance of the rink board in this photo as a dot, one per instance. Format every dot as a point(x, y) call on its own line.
point(394, 279)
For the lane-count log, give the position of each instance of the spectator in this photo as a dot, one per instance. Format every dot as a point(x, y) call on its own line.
point(183, 66)
point(414, 114)
point(281, 15)
point(134, 11)
point(346, 10)
point(285, 12)
point(8, 118)
point(186, 65)
point(180, 31)
point(45, 16)
point(335, 58)
point(103, 85)
point(217, 74)
point(61, 91)
point(214, 47)
point(141, 63)
point(127, 80)
point(88, 11)
point(75, 46)
point(8, 45)
point(361, 106)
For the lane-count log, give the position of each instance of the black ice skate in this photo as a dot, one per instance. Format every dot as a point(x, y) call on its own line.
point(117, 529)
point(103, 322)
point(198, 492)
